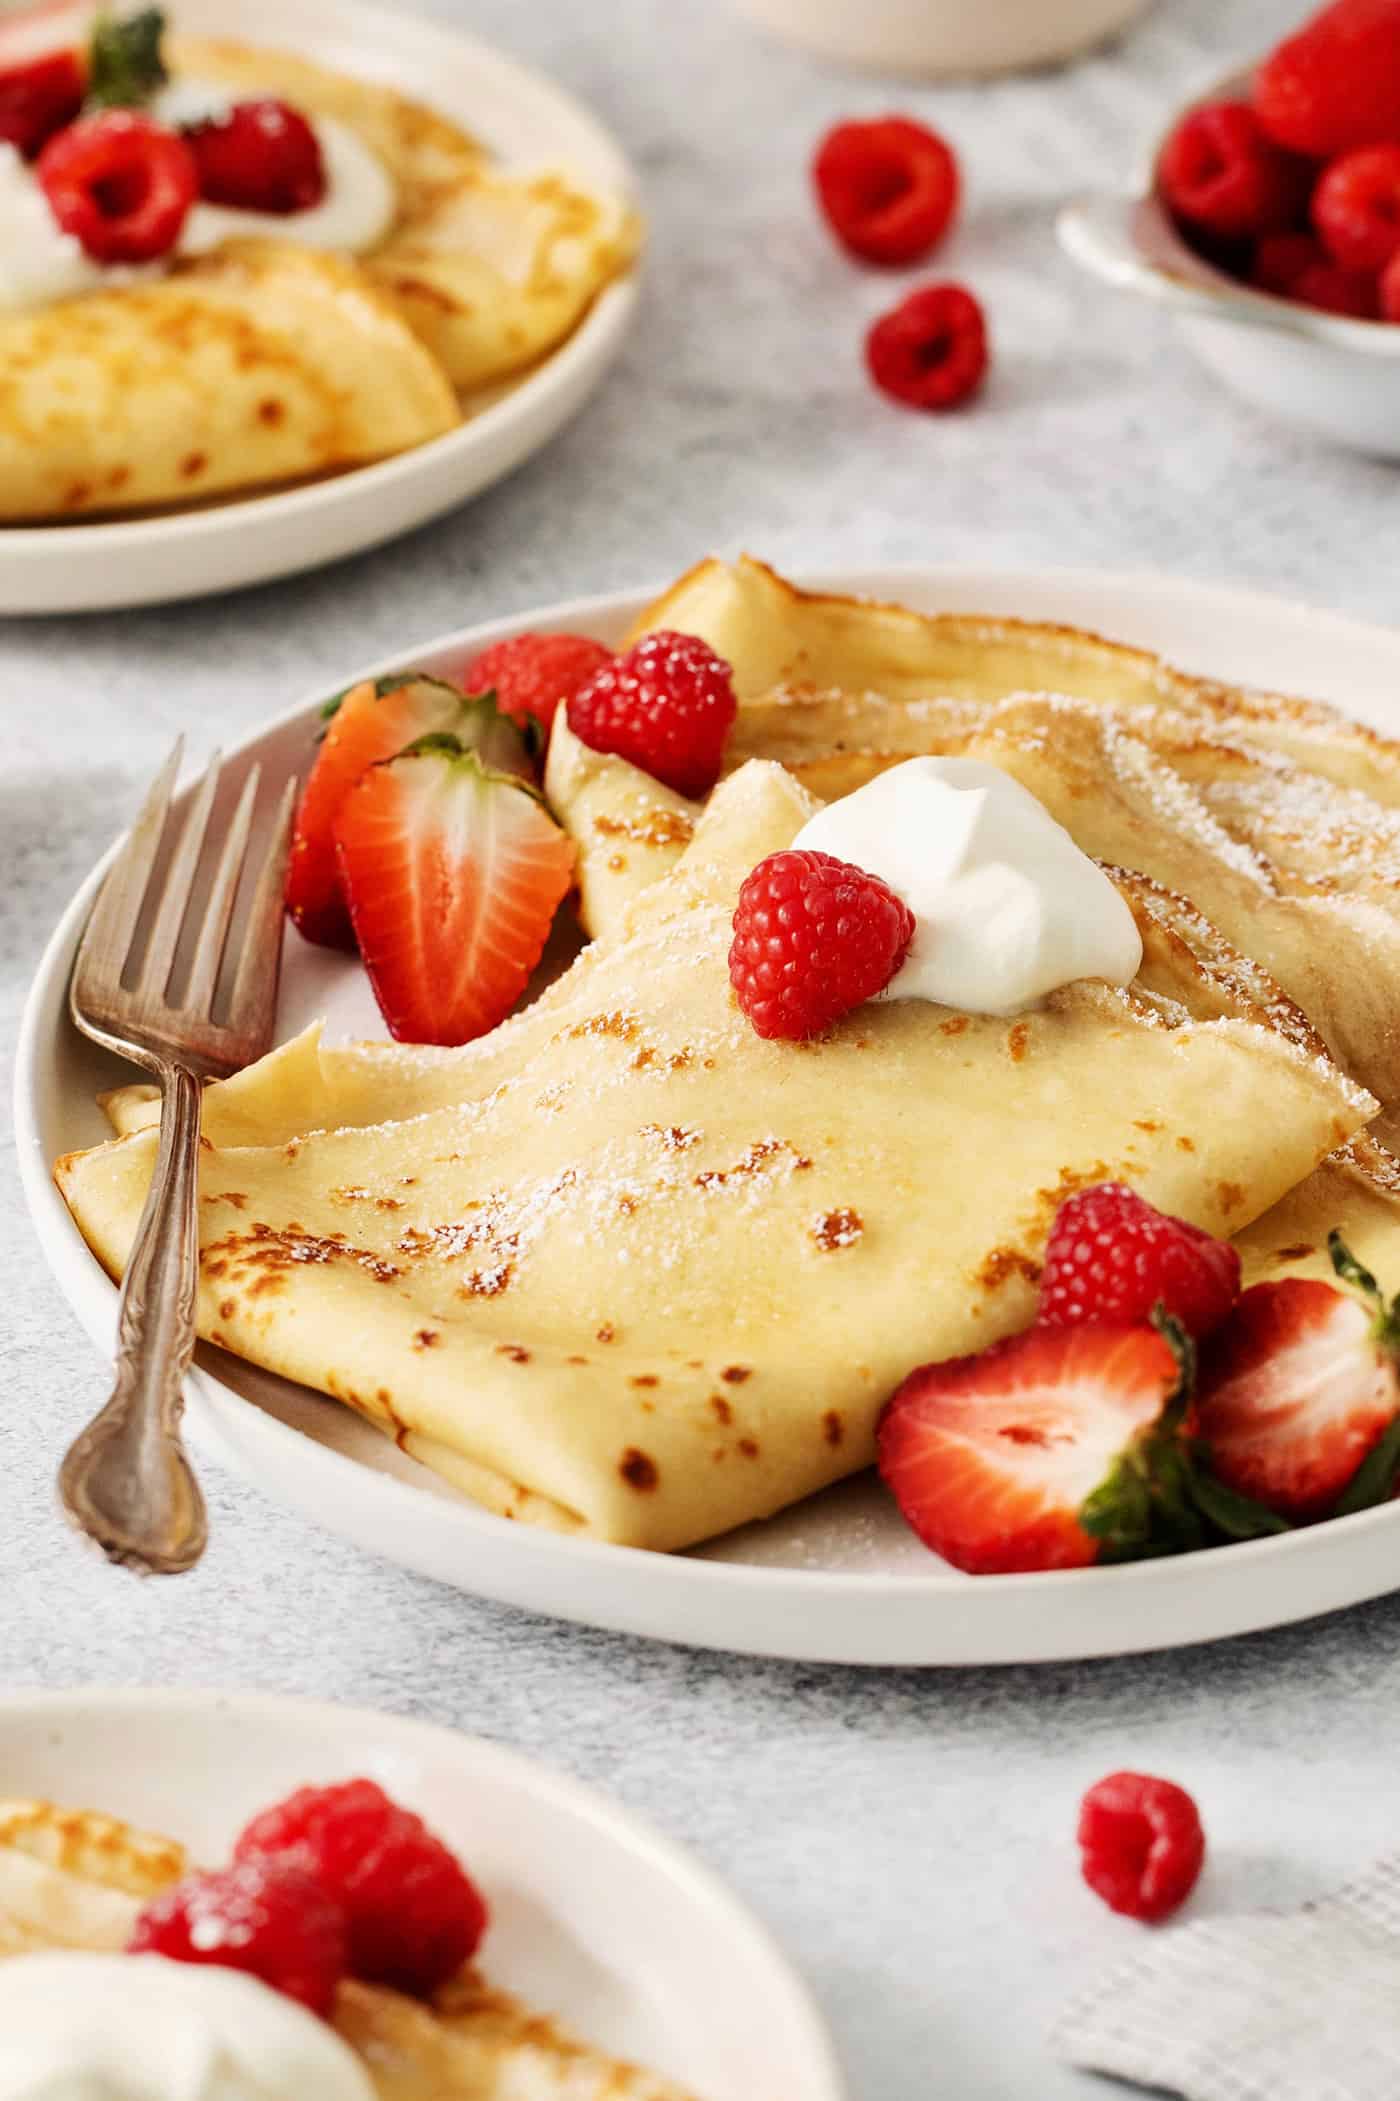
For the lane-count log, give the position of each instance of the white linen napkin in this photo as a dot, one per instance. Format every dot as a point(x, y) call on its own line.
point(1297, 2006)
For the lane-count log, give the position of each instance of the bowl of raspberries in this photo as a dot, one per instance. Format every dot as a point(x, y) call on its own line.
point(1268, 220)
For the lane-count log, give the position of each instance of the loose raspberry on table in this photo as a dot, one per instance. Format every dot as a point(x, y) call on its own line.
point(667, 705)
point(889, 188)
point(930, 351)
point(814, 938)
point(1356, 208)
point(1219, 171)
point(272, 1919)
point(1141, 1844)
point(1112, 1257)
point(531, 674)
point(413, 1914)
point(121, 183)
point(262, 157)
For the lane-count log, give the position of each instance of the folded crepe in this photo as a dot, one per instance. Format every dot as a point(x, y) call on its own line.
point(262, 363)
point(76, 1880)
point(1294, 852)
point(780, 640)
point(648, 1276)
point(490, 267)
point(266, 362)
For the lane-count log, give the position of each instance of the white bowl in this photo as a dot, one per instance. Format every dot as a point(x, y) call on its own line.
point(1324, 373)
point(224, 546)
point(932, 37)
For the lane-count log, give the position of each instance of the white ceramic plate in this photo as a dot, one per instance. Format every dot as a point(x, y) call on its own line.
point(595, 1918)
point(838, 1578)
point(148, 561)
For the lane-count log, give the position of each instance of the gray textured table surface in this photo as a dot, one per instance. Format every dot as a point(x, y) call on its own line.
point(908, 1836)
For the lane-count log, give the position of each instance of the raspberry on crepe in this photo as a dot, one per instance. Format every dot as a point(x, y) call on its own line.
point(814, 938)
point(275, 1920)
point(377, 720)
point(1112, 1256)
point(121, 183)
point(531, 675)
point(453, 872)
point(414, 1915)
point(262, 156)
point(667, 705)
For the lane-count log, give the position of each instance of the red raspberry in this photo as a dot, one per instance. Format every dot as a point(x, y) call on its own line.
point(269, 1918)
point(1356, 207)
point(1338, 291)
point(262, 157)
point(414, 1916)
point(531, 674)
point(1219, 171)
point(889, 188)
point(667, 705)
point(930, 351)
point(1282, 259)
point(1112, 1257)
point(1141, 1844)
point(813, 938)
point(1335, 83)
point(38, 98)
point(121, 184)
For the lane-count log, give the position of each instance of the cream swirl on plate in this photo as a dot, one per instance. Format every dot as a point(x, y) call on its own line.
point(1006, 906)
point(81, 2027)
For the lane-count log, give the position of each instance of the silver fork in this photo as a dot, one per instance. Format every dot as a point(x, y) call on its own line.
point(126, 1481)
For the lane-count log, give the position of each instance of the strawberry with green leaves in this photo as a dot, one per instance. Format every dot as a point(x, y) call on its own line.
point(374, 721)
point(1300, 1394)
point(452, 869)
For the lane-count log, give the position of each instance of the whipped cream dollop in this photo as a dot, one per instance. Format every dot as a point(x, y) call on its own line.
point(78, 2027)
point(39, 262)
point(1006, 907)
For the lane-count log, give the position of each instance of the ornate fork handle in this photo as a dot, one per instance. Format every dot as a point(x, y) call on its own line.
point(126, 1481)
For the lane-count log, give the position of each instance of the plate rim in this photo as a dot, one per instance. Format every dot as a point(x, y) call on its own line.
point(28, 551)
point(92, 1296)
point(823, 2078)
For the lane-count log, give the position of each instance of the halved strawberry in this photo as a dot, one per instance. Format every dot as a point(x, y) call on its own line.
point(1300, 1396)
point(1052, 1449)
point(453, 873)
point(376, 720)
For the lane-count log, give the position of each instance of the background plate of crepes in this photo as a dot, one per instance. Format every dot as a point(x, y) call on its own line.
point(111, 1796)
point(626, 1287)
point(269, 409)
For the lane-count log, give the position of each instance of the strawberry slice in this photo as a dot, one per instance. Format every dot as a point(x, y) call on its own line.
point(1053, 1449)
point(453, 873)
point(1300, 1397)
point(376, 720)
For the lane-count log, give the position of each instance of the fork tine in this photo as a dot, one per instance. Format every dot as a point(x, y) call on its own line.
point(175, 894)
point(255, 987)
point(117, 912)
point(213, 931)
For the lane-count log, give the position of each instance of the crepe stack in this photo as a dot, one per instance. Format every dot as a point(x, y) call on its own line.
point(74, 1879)
point(267, 362)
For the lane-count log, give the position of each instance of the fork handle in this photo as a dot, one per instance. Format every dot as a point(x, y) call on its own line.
point(126, 1481)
